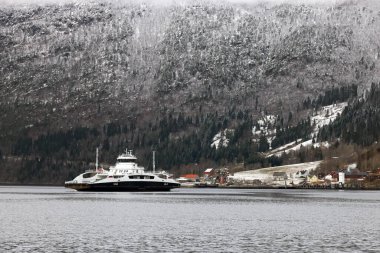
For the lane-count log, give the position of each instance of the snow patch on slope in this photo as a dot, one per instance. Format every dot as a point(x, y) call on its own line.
point(265, 126)
point(220, 139)
point(324, 116)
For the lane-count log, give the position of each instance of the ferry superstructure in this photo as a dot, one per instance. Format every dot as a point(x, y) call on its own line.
point(125, 175)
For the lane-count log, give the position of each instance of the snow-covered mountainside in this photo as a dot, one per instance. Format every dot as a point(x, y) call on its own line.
point(173, 77)
point(82, 57)
point(266, 127)
point(319, 118)
point(324, 116)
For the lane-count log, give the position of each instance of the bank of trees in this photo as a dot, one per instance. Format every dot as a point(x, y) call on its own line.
point(359, 122)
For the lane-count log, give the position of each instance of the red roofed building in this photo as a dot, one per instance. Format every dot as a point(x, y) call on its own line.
point(188, 178)
point(191, 176)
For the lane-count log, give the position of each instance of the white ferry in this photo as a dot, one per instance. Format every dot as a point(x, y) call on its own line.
point(126, 175)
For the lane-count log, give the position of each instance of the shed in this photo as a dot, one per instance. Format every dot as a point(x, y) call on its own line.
point(279, 176)
point(208, 171)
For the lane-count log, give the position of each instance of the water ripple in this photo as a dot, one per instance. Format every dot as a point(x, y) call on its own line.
point(54, 219)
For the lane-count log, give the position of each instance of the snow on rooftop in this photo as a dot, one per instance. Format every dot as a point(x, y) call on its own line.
point(352, 166)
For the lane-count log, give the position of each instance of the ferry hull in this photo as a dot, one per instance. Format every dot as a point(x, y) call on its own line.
point(132, 186)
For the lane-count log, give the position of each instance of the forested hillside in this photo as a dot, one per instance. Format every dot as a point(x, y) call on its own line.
point(171, 77)
point(359, 122)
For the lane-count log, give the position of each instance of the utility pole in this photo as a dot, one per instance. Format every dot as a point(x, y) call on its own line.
point(97, 159)
point(154, 162)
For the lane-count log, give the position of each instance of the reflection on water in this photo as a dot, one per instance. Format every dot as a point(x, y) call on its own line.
point(54, 219)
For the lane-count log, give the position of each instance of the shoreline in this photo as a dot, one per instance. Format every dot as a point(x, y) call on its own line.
point(298, 188)
point(263, 187)
point(247, 187)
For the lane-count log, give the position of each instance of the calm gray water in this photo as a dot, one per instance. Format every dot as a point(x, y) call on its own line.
point(54, 219)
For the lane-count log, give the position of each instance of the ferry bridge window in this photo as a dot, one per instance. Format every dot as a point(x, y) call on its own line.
point(87, 175)
point(136, 177)
point(126, 160)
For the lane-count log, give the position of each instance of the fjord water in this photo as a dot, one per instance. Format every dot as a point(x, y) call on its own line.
point(54, 219)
